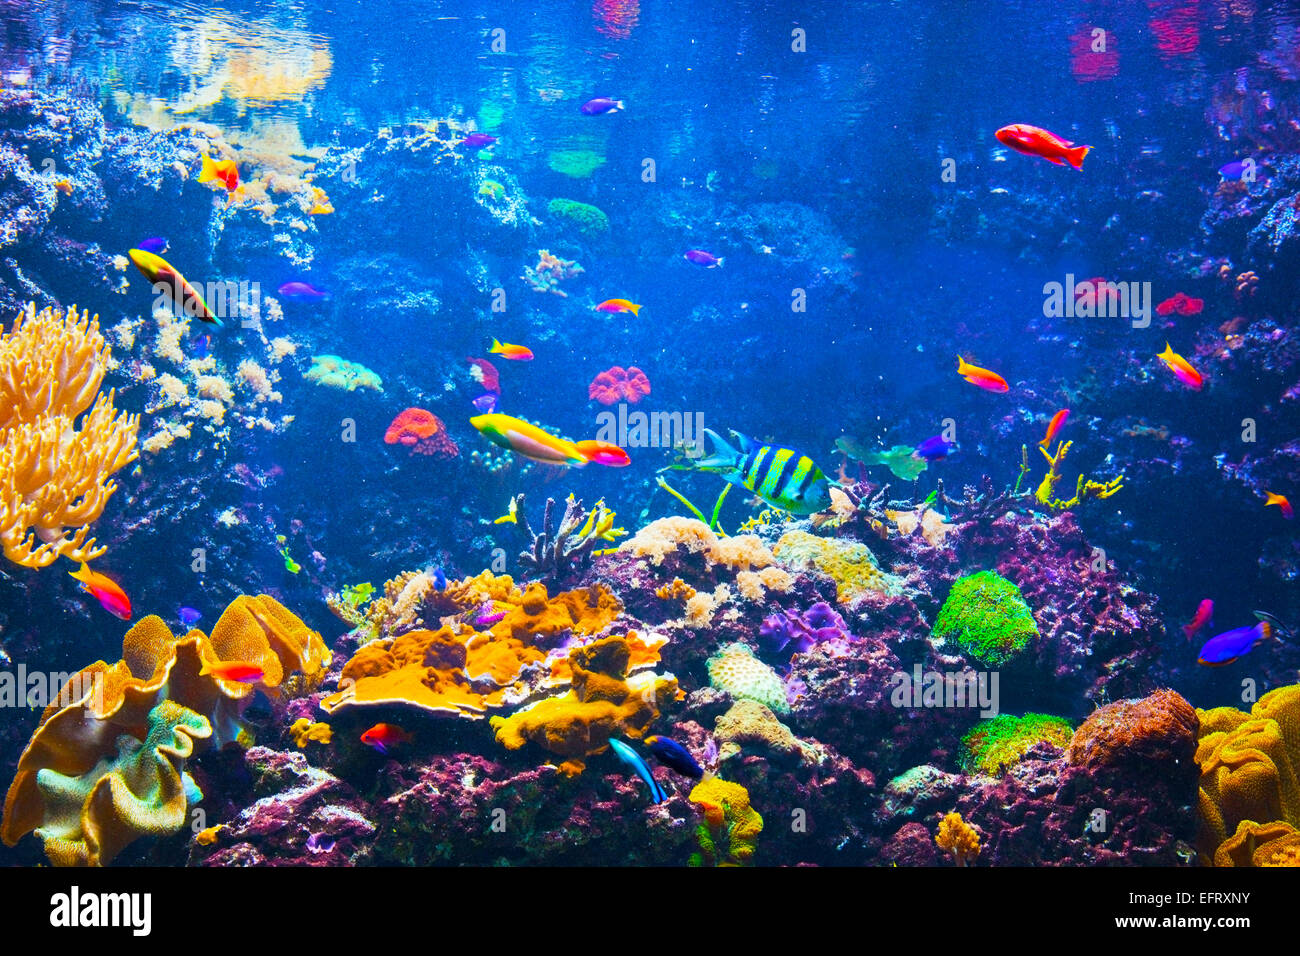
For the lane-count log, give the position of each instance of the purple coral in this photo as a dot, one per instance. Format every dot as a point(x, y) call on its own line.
point(820, 624)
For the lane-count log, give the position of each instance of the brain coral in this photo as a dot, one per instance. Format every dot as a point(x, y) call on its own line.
point(996, 745)
point(850, 564)
point(986, 616)
point(1250, 769)
point(735, 670)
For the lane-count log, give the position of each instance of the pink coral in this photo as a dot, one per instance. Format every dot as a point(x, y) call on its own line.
point(619, 384)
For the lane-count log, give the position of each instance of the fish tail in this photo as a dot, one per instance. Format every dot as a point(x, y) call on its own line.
point(82, 574)
point(636, 309)
point(205, 669)
point(962, 367)
point(721, 259)
point(496, 345)
point(724, 457)
point(208, 172)
point(1076, 155)
point(620, 105)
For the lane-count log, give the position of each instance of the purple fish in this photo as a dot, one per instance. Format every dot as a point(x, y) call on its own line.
point(188, 616)
point(600, 105)
point(155, 244)
point(1236, 170)
point(934, 449)
point(478, 141)
point(1230, 645)
point(302, 292)
point(487, 617)
point(702, 258)
point(486, 403)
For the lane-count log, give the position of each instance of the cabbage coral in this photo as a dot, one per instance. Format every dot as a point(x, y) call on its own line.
point(55, 472)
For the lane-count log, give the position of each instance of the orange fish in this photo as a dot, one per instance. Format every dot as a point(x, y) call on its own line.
point(224, 171)
point(516, 353)
point(619, 305)
point(383, 737)
point(1181, 368)
point(985, 379)
point(105, 590)
point(1054, 426)
point(241, 671)
point(1033, 141)
point(1280, 500)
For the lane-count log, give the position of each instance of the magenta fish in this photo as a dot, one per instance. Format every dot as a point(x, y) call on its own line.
point(601, 105)
point(302, 292)
point(702, 258)
point(478, 141)
point(1204, 614)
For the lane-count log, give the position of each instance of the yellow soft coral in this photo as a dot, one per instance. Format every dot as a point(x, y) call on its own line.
point(959, 838)
point(1250, 768)
point(850, 564)
point(55, 477)
point(305, 732)
point(1086, 488)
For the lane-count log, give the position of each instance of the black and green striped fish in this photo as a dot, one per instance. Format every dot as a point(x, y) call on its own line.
point(782, 477)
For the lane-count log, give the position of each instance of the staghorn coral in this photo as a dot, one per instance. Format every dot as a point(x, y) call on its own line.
point(850, 564)
point(157, 688)
point(959, 838)
point(1250, 770)
point(994, 746)
point(986, 617)
point(736, 671)
point(56, 473)
point(605, 700)
point(559, 553)
point(729, 834)
point(1086, 488)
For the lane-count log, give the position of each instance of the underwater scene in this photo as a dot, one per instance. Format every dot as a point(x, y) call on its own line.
point(638, 433)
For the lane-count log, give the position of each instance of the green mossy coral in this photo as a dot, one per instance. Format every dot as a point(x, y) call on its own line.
point(589, 220)
point(575, 163)
point(994, 746)
point(986, 617)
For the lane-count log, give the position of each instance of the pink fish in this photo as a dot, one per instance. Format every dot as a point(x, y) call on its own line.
point(1204, 614)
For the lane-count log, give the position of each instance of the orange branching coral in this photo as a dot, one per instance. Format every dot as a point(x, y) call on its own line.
point(959, 838)
point(55, 473)
point(605, 701)
point(1250, 772)
point(105, 764)
point(675, 590)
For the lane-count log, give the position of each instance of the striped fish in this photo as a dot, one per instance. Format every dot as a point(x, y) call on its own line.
point(782, 477)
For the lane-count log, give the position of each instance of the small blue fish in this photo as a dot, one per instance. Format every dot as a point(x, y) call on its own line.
point(189, 616)
point(439, 580)
point(672, 754)
point(201, 345)
point(633, 760)
point(935, 448)
point(155, 244)
point(302, 292)
point(1230, 645)
point(1235, 171)
point(486, 403)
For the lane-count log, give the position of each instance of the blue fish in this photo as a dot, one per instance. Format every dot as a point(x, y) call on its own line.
point(1230, 645)
point(201, 344)
point(934, 449)
point(672, 754)
point(486, 403)
point(439, 580)
point(1235, 170)
point(155, 244)
point(189, 616)
point(633, 760)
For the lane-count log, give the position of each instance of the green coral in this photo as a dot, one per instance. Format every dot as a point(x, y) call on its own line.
point(588, 220)
point(575, 163)
point(986, 616)
point(996, 745)
point(850, 564)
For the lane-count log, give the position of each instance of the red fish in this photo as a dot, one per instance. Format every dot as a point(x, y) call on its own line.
point(1054, 426)
point(604, 453)
point(384, 737)
point(1280, 500)
point(1182, 304)
point(241, 671)
point(985, 379)
point(105, 590)
point(1204, 614)
point(224, 171)
point(1033, 141)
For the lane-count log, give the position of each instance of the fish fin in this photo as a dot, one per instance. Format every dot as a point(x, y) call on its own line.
point(1055, 160)
point(82, 574)
point(723, 457)
point(636, 309)
point(620, 105)
point(208, 171)
point(721, 259)
point(496, 345)
point(205, 669)
point(1076, 156)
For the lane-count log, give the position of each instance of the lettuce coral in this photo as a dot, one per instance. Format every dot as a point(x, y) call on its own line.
point(735, 670)
point(986, 616)
point(994, 746)
point(850, 564)
point(1250, 769)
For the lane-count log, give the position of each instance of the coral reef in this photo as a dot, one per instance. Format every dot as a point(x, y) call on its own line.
point(735, 671)
point(422, 432)
point(986, 616)
point(999, 743)
point(340, 373)
point(590, 221)
point(850, 564)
